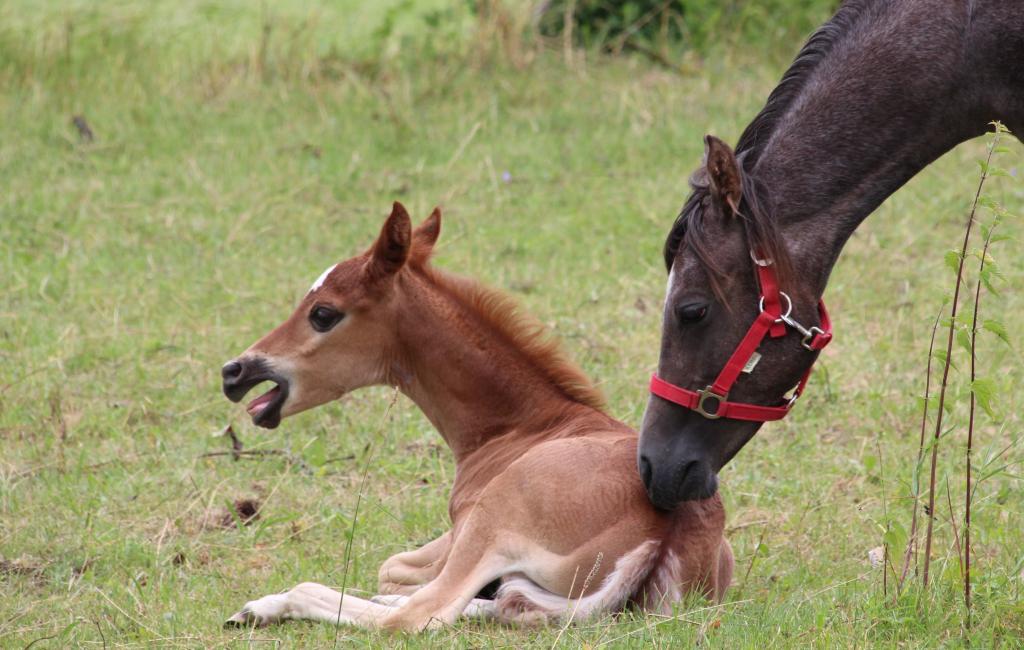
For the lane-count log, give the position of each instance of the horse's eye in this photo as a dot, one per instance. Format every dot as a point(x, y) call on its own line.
point(324, 318)
point(692, 313)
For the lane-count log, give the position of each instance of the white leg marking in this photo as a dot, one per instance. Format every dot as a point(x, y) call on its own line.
point(310, 601)
point(391, 600)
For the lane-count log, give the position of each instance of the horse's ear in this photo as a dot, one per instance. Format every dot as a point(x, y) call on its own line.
point(392, 246)
point(425, 236)
point(723, 172)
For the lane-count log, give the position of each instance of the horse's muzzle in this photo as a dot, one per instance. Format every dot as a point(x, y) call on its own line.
point(669, 484)
point(242, 375)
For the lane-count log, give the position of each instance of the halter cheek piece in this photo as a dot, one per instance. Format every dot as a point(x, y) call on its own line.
point(713, 402)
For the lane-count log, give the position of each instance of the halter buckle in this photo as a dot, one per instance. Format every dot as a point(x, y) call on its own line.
point(810, 335)
point(706, 394)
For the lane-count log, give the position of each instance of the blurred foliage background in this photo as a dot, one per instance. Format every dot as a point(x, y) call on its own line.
point(292, 38)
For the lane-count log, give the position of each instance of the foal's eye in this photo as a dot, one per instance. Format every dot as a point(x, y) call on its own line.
point(692, 313)
point(324, 318)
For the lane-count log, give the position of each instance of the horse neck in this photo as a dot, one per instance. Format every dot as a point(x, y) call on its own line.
point(869, 116)
point(469, 382)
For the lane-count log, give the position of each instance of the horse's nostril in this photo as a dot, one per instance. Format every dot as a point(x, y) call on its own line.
point(645, 471)
point(685, 470)
point(231, 370)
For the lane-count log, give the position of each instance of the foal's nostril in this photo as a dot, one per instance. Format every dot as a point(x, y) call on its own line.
point(231, 370)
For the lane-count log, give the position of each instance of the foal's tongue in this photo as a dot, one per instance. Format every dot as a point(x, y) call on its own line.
point(261, 402)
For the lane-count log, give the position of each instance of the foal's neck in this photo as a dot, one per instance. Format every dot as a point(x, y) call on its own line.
point(466, 377)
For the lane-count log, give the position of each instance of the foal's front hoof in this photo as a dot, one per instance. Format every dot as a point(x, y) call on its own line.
point(243, 619)
point(260, 613)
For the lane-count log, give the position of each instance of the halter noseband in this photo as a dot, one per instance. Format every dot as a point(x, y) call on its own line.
point(772, 321)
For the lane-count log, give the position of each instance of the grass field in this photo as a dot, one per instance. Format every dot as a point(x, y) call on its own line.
point(231, 163)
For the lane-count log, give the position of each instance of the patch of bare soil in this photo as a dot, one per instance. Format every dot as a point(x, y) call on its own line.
point(244, 511)
point(22, 568)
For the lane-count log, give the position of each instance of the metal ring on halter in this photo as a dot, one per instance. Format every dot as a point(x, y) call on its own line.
point(706, 394)
point(760, 262)
point(784, 318)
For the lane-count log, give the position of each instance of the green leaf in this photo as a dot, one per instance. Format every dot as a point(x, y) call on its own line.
point(963, 337)
point(985, 390)
point(984, 166)
point(996, 327)
point(988, 273)
point(953, 261)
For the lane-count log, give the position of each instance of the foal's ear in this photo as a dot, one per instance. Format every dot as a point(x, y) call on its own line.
point(392, 246)
point(723, 171)
point(425, 236)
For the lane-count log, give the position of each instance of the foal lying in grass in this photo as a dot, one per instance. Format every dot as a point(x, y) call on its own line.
point(546, 498)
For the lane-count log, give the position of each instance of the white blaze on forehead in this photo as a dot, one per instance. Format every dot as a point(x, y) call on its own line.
point(320, 281)
point(671, 283)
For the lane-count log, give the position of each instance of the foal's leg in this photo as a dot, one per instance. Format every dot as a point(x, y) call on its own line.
point(310, 601)
point(478, 556)
point(404, 573)
point(315, 602)
point(477, 608)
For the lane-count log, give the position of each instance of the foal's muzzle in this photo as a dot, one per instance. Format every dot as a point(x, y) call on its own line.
point(242, 375)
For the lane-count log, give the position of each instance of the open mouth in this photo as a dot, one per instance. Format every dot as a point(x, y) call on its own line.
point(265, 410)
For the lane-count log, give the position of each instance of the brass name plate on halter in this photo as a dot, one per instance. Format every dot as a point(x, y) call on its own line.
point(751, 363)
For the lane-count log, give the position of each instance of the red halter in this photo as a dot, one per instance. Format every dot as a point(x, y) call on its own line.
point(772, 321)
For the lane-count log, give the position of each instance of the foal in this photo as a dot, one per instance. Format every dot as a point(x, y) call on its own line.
point(546, 496)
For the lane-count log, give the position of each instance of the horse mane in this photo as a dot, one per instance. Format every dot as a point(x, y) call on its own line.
point(506, 318)
point(814, 51)
point(756, 211)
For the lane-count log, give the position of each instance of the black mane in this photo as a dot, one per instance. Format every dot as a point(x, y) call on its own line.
point(814, 51)
point(755, 210)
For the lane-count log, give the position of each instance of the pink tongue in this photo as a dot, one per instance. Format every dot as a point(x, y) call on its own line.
point(261, 402)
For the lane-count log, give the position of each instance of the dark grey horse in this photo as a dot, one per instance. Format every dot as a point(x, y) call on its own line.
point(877, 93)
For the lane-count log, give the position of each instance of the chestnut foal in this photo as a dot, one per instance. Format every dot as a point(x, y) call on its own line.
point(546, 496)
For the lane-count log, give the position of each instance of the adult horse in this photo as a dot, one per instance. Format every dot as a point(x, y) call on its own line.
point(879, 92)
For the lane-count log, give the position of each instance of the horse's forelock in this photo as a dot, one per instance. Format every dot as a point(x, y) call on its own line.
point(759, 225)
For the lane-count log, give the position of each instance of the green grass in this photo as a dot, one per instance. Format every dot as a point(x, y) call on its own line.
point(226, 174)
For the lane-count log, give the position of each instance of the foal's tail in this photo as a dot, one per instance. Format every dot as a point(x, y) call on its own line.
point(520, 600)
